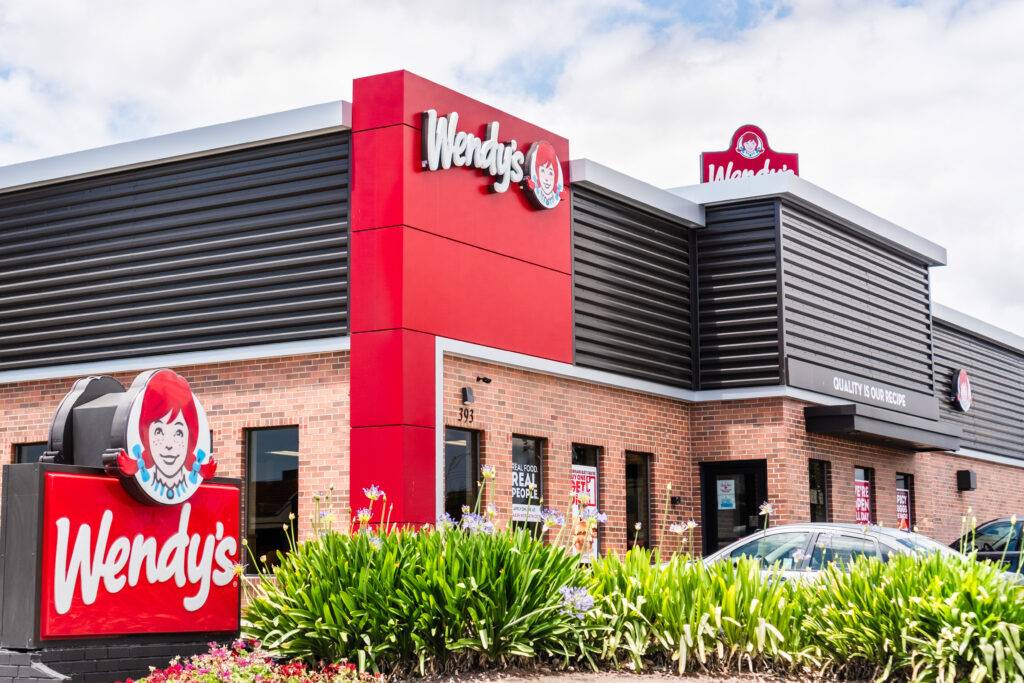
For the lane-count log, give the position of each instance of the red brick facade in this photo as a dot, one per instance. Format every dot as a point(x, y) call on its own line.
point(312, 392)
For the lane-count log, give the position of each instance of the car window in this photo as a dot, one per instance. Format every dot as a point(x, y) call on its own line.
point(889, 550)
point(994, 537)
point(839, 548)
point(785, 548)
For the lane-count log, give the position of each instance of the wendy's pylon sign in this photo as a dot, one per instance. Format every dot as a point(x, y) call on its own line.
point(749, 155)
point(121, 529)
point(538, 172)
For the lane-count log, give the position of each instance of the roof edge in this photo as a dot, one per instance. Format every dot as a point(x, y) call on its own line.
point(978, 328)
point(592, 175)
point(293, 123)
point(809, 195)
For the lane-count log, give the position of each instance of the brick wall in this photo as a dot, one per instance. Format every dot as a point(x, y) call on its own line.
point(310, 391)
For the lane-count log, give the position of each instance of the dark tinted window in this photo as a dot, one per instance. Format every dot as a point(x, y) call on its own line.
point(994, 537)
point(638, 509)
point(461, 470)
point(29, 452)
point(818, 476)
point(272, 488)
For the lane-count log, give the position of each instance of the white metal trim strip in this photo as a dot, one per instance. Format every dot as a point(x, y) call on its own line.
point(989, 457)
point(237, 353)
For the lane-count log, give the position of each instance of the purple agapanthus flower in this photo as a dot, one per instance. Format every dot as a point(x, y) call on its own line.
point(445, 522)
point(576, 601)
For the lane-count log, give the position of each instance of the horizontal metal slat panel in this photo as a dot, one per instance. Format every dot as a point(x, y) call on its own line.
point(853, 305)
point(737, 294)
point(243, 247)
point(995, 422)
point(631, 291)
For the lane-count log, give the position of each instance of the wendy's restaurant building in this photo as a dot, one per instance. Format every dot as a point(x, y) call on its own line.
point(404, 289)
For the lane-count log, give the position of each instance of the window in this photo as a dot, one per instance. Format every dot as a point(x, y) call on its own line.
point(904, 501)
point(586, 538)
point(842, 549)
point(818, 476)
point(638, 508)
point(784, 548)
point(461, 470)
point(864, 494)
point(272, 488)
point(527, 481)
point(29, 452)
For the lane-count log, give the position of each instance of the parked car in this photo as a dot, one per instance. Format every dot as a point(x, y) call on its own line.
point(999, 539)
point(803, 550)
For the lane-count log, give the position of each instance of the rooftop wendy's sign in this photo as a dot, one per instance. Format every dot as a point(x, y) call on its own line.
point(538, 172)
point(749, 155)
point(121, 528)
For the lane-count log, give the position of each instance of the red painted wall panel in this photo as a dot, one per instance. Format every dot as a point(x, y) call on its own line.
point(400, 365)
point(400, 460)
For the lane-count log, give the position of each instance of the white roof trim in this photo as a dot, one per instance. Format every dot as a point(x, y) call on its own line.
point(171, 360)
point(591, 175)
point(809, 195)
point(287, 124)
point(977, 327)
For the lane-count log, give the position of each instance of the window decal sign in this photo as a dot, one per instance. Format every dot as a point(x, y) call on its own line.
point(748, 155)
point(903, 509)
point(862, 501)
point(726, 494)
point(584, 497)
point(161, 448)
point(538, 172)
point(962, 397)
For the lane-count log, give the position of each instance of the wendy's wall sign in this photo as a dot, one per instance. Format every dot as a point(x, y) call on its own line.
point(538, 172)
point(128, 530)
point(748, 155)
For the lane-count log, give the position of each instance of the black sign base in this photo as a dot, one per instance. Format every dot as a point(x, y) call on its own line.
point(92, 663)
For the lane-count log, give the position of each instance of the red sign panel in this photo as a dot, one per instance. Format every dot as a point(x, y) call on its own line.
point(903, 509)
point(862, 501)
point(749, 155)
point(113, 567)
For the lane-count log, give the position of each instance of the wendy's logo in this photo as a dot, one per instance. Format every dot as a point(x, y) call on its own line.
point(750, 145)
point(165, 454)
point(544, 186)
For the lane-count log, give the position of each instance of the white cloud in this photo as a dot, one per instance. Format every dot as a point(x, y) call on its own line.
point(910, 111)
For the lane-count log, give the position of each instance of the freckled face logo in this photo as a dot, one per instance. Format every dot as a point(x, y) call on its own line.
point(544, 186)
point(167, 440)
point(750, 145)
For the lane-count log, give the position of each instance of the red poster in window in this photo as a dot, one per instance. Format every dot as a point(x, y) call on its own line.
point(903, 509)
point(862, 501)
point(112, 566)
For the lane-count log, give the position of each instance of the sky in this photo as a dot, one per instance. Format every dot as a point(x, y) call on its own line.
point(911, 110)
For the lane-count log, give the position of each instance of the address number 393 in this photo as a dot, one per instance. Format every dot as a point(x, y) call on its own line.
point(465, 414)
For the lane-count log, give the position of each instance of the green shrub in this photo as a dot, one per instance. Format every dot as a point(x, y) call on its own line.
point(932, 618)
point(430, 600)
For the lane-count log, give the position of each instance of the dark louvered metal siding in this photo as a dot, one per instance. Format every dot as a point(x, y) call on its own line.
point(995, 423)
point(631, 291)
point(738, 296)
point(853, 305)
point(238, 248)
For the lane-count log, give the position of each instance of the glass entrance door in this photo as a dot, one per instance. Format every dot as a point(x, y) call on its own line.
point(731, 494)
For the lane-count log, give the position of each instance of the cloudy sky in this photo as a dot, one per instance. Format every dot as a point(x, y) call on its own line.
point(913, 110)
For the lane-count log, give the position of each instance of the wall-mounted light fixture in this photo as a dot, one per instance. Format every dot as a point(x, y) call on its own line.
point(485, 380)
point(467, 394)
point(966, 480)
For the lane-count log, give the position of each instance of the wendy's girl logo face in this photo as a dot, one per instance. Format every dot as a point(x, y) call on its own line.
point(750, 145)
point(167, 450)
point(544, 187)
